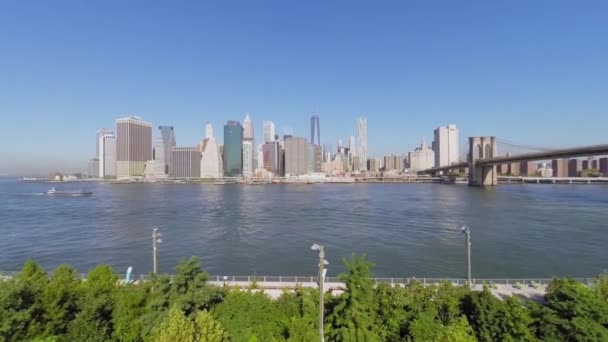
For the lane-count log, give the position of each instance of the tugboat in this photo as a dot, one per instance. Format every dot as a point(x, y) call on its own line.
point(53, 192)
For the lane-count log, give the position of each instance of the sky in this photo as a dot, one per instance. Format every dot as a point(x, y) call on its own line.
point(531, 72)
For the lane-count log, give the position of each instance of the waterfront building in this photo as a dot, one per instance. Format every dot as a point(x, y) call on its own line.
point(315, 130)
point(296, 156)
point(273, 158)
point(233, 149)
point(107, 155)
point(133, 146)
point(259, 159)
point(560, 167)
point(185, 163)
point(603, 166)
point(247, 158)
point(352, 146)
point(422, 158)
point(445, 145)
point(545, 170)
point(589, 163)
point(527, 168)
point(161, 154)
point(248, 128)
point(335, 166)
point(362, 134)
point(211, 155)
point(100, 133)
point(574, 167)
point(373, 165)
point(594, 164)
point(269, 135)
point(355, 163)
point(318, 158)
point(514, 169)
point(93, 168)
point(389, 163)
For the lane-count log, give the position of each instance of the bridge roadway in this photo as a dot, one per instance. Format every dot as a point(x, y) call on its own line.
point(583, 151)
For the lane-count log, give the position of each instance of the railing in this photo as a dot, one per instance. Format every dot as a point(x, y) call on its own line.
point(293, 280)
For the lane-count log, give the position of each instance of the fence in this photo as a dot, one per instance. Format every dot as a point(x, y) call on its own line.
point(287, 281)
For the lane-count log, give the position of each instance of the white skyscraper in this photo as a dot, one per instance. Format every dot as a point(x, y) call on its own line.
point(421, 158)
point(268, 131)
point(247, 128)
point(445, 145)
point(352, 147)
point(100, 133)
point(208, 131)
point(362, 131)
point(211, 157)
point(260, 158)
point(247, 158)
point(107, 155)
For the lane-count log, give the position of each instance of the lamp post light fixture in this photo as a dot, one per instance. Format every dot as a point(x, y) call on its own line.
point(321, 282)
point(467, 233)
point(155, 241)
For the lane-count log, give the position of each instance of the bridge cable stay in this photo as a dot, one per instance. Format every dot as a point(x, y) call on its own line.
point(522, 146)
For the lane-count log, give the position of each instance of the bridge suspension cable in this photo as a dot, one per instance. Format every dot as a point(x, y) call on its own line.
point(522, 146)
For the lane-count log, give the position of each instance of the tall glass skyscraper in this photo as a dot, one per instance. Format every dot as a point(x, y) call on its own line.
point(165, 141)
point(315, 130)
point(233, 149)
point(362, 132)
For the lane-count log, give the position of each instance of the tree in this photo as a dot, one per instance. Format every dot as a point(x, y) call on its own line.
point(208, 329)
point(601, 286)
point(94, 323)
point(353, 317)
point(60, 299)
point(190, 290)
point(175, 327)
point(573, 312)
point(130, 307)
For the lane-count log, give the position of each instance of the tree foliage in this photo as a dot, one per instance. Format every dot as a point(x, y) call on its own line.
point(60, 306)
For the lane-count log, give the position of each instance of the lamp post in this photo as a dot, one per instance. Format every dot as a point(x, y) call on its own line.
point(321, 282)
point(467, 233)
point(155, 240)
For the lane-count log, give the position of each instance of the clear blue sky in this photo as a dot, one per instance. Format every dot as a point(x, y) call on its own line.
point(534, 72)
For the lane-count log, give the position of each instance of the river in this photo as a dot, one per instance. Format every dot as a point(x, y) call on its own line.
point(405, 229)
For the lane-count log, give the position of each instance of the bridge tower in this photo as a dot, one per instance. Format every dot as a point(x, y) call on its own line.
point(482, 148)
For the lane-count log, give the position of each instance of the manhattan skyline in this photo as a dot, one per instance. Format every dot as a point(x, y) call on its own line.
point(74, 68)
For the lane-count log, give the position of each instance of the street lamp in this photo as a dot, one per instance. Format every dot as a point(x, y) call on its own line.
point(155, 240)
point(321, 281)
point(467, 233)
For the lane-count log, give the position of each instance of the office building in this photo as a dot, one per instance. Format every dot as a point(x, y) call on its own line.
point(574, 167)
point(93, 168)
point(362, 134)
point(545, 170)
point(165, 142)
point(248, 158)
point(133, 146)
point(335, 166)
point(248, 128)
point(560, 167)
point(296, 156)
point(422, 158)
point(603, 166)
point(527, 168)
point(373, 165)
point(273, 158)
point(100, 133)
point(315, 130)
point(185, 163)
point(445, 145)
point(269, 134)
point(352, 145)
point(107, 155)
point(233, 149)
point(211, 155)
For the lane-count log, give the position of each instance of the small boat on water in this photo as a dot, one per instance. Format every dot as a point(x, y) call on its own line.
point(55, 192)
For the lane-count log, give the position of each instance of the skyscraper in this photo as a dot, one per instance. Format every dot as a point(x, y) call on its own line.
point(100, 133)
point(268, 131)
point(133, 146)
point(185, 162)
point(211, 156)
point(362, 132)
point(273, 158)
point(248, 128)
point(445, 145)
point(107, 155)
point(421, 158)
point(315, 128)
point(165, 141)
point(93, 169)
point(352, 147)
point(248, 144)
point(233, 149)
point(296, 156)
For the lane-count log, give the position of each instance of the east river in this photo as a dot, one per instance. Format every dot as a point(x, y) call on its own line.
point(405, 229)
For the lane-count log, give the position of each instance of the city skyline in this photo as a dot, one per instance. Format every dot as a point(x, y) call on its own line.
point(408, 68)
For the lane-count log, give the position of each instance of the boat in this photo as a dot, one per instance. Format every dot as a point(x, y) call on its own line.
point(55, 192)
